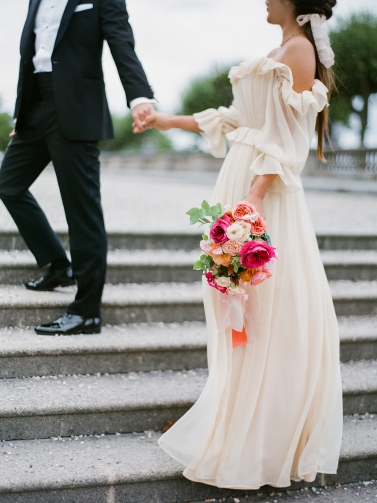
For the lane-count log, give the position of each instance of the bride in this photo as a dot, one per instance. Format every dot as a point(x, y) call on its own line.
point(271, 411)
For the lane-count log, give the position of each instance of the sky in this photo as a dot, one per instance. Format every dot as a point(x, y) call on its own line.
point(176, 41)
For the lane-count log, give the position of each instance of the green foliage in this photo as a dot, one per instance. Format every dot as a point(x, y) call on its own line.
point(355, 45)
point(6, 127)
point(210, 91)
point(204, 263)
point(206, 214)
point(125, 139)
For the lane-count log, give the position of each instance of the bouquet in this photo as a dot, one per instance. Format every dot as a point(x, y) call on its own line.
point(236, 251)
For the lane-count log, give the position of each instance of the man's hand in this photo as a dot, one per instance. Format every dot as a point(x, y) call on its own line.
point(13, 133)
point(139, 114)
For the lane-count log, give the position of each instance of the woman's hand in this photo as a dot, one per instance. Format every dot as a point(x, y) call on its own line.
point(157, 120)
point(258, 190)
point(165, 122)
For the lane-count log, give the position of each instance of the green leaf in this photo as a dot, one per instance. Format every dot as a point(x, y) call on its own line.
point(193, 211)
point(198, 265)
point(194, 219)
point(205, 206)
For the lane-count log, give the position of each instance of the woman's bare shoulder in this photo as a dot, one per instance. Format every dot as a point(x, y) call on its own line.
point(299, 56)
point(274, 53)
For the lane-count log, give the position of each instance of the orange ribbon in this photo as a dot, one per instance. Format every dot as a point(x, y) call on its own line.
point(239, 338)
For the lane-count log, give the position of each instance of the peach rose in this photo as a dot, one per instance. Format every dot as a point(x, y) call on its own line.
point(232, 247)
point(260, 276)
point(258, 226)
point(244, 211)
point(246, 276)
point(223, 259)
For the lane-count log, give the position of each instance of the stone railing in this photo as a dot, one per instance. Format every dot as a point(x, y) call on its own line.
point(171, 161)
point(360, 163)
point(340, 163)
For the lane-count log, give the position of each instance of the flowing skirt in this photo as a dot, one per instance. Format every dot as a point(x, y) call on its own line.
point(271, 410)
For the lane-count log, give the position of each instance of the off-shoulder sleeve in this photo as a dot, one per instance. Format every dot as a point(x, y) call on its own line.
point(215, 124)
point(284, 141)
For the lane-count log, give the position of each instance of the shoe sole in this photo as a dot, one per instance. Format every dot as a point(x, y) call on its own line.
point(88, 331)
point(65, 284)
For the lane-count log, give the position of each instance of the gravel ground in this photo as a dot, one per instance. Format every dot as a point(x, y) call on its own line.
point(350, 493)
point(166, 196)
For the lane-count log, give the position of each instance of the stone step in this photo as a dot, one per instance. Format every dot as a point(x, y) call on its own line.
point(138, 266)
point(126, 348)
point(354, 298)
point(358, 338)
point(355, 265)
point(133, 469)
point(142, 266)
point(143, 347)
point(43, 407)
point(189, 240)
point(11, 240)
point(131, 303)
point(155, 302)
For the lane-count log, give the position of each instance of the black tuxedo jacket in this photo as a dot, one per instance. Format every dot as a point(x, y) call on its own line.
point(79, 88)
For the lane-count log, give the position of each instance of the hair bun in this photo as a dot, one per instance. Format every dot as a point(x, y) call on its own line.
point(321, 7)
point(327, 8)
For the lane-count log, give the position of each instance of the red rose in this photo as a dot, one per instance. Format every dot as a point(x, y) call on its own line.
point(211, 281)
point(218, 231)
point(255, 254)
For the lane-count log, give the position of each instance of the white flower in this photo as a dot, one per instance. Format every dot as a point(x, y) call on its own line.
point(245, 225)
point(223, 281)
point(250, 218)
point(239, 231)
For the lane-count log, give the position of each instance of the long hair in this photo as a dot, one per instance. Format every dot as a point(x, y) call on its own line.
point(325, 75)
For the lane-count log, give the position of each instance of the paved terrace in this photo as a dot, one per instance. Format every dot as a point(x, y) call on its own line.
point(164, 197)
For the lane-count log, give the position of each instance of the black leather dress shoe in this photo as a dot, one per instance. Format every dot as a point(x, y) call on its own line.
point(70, 324)
point(52, 279)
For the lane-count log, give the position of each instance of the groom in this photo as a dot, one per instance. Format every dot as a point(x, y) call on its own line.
point(61, 114)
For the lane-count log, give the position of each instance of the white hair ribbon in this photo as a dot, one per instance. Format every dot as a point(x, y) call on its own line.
point(322, 42)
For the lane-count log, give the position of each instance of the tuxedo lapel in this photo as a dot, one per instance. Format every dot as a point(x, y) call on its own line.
point(27, 37)
point(68, 13)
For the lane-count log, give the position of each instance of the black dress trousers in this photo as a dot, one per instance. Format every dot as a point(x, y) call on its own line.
point(38, 141)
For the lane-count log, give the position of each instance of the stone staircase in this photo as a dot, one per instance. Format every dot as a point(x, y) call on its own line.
point(80, 416)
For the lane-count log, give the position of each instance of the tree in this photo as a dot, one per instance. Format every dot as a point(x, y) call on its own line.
point(6, 127)
point(355, 45)
point(211, 91)
point(125, 139)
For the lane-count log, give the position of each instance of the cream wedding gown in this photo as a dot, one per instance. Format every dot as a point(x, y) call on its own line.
point(271, 410)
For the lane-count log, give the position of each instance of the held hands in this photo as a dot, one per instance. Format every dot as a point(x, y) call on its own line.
point(155, 120)
point(139, 114)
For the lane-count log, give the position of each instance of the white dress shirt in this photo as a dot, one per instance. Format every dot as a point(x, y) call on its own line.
point(47, 23)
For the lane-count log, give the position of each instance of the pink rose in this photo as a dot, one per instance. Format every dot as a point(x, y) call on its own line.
point(260, 276)
point(243, 211)
point(211, 281)
point(258, 226)
point(255, 254)
point(218, 231)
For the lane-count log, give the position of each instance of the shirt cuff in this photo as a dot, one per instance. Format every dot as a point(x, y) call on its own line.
point(140, 101)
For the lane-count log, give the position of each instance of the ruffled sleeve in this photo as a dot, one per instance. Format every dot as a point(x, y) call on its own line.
point(215, 124)
point(284, 141)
